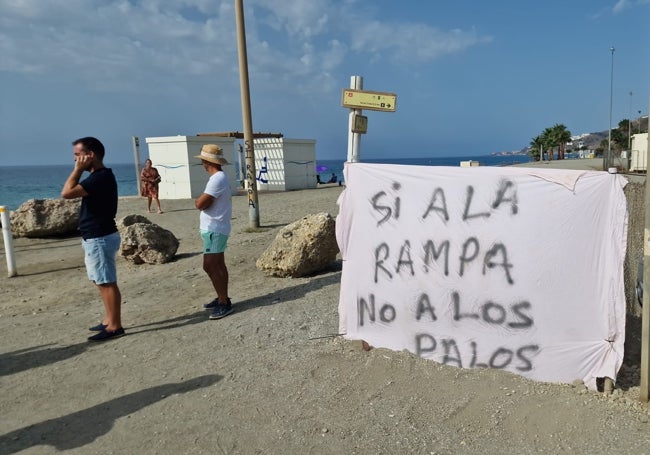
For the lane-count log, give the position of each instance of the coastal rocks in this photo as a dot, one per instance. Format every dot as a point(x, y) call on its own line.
point(46, 218)
point(303, 247)
point(145, 242)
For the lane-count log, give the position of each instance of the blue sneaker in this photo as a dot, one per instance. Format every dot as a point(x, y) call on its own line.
point(97, 328)
point(106, 335)
point(221, 310)
point(212, 305)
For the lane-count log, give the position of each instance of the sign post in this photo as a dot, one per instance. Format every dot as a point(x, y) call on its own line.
point(356, 99)
point(354, 139)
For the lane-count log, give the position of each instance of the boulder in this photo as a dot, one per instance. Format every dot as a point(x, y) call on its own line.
point(46, 218)
point(145, 242)
point(304, 247)
point(128, 220)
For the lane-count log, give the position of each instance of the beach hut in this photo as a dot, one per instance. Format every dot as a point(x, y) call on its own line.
point(183, 176)
point(281, 164)
point(639, 152)
point(285, 164)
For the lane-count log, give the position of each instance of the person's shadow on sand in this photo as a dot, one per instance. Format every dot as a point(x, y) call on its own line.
point(332, 276)
point(37, 356)
point(291, 293)
point(47, 354)
point(83, 427)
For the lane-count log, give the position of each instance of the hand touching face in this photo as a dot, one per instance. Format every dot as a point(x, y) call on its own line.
point(83, 159)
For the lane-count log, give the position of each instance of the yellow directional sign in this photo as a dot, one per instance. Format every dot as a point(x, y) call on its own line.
point(374, 101)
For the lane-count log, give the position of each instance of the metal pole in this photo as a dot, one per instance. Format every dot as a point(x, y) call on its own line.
point(608, 161)
point(354, 139)
point(8, 239)
point(253, 202)
point(242, 165)
point(629, 127)
point(644, 394)
point(136, 158)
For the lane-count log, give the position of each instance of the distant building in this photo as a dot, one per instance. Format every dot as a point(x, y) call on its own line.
point(639, 153)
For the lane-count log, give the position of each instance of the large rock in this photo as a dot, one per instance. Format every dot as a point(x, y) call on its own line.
point(46, 218)
point(145, 242)
point(128, 220)
point(302, 248)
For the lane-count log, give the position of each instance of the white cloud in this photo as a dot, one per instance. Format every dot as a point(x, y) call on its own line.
point(103, 44)
point(333, 56)
point(300, 18)
point(408, 42)
point(122, 45)
point(622, 5)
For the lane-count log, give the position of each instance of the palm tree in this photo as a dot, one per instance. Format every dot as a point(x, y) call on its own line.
point(537, 148)
point(555, 136)
point(562, 136)
point(549, 140)
point(604, 144)
point(619, 139)
point(623, 134)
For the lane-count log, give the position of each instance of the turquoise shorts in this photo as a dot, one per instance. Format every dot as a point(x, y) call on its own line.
point(213, 243)
point(100, 258)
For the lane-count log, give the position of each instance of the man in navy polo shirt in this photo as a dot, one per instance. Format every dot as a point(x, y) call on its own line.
point(98, 230)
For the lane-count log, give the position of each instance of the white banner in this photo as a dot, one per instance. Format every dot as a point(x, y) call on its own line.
point(510, 268)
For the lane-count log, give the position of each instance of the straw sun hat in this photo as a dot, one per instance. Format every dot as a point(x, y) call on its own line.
point(213, 154)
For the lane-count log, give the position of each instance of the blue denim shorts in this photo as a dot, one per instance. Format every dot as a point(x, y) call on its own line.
point(213, 242)
point(100, 258)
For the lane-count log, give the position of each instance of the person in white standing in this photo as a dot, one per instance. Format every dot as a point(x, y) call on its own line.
point(215, 205)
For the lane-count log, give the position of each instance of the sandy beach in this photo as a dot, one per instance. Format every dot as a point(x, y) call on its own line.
point(272, 378)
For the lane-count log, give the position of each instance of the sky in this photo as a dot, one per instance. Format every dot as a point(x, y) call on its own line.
point(471, 77)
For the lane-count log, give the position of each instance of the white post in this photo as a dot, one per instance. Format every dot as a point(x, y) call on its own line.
point(608, 161)
point(8, 239)
point(354, 139)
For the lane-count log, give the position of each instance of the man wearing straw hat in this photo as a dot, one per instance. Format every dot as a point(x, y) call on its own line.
point(215, 205)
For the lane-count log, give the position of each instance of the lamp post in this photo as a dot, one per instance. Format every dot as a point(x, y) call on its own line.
point(608, 160)
point(253, 204)
point(629, 125)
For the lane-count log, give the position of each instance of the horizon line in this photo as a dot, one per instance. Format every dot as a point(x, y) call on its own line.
point(124, 163)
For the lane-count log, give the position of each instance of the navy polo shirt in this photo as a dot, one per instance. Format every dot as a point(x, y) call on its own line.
point(98, 209)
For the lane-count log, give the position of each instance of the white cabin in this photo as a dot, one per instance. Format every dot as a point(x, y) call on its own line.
point(639, 153)
point(283, 164)
point(183, 176)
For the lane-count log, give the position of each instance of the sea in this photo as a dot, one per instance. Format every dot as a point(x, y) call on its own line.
point(20, 183)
